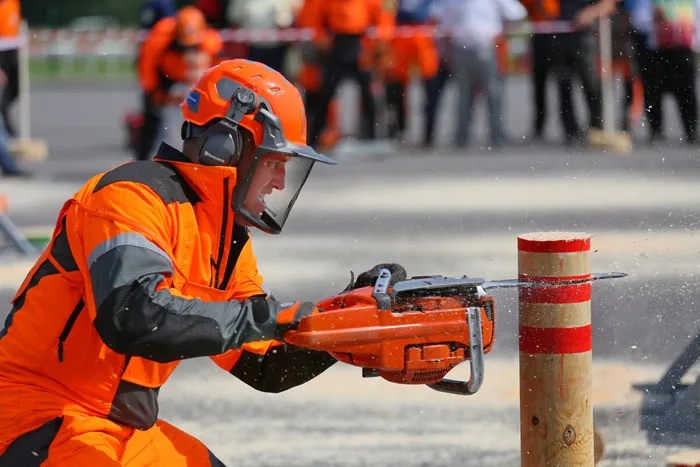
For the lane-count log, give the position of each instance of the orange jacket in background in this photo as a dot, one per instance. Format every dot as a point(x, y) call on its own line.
point(310, 73)
point(352, 17)
point(10, 18)
point(542, 10)
point(160, 64)
point(417, 51)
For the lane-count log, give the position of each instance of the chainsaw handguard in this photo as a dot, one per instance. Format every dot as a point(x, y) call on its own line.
point(405, 338)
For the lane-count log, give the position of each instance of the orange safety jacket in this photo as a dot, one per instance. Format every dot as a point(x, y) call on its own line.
point(349, 17)
point(146, 267)
point(10, 18)
point(161, 63)
point(415, 51)
point(542, 10)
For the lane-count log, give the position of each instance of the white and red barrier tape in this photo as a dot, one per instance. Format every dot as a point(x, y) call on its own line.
point(123, 41)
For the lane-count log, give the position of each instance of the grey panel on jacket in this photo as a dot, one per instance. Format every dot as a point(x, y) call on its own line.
point(135, 319)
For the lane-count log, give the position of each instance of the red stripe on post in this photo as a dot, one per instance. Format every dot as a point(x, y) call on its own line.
point(556, 340)
point(576, 293)
point(554, 246)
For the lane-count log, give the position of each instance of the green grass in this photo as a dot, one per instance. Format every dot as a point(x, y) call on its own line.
point(82, 69)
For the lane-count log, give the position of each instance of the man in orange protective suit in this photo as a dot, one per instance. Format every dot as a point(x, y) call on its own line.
point(151, 263)
point(176, 51)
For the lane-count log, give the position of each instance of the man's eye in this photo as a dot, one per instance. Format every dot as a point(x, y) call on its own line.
point(274, 164)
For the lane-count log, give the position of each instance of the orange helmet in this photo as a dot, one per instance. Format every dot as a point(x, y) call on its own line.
point(239, 94)
point(190, 25)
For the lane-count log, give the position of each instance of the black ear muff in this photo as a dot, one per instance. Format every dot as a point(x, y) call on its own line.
point(220, 149)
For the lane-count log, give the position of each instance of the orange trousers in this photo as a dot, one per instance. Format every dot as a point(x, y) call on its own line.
point(77, 440)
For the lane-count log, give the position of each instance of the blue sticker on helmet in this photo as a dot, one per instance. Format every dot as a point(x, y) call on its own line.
point(193, 101)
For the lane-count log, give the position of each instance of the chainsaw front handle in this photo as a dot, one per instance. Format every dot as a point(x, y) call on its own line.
point(476, 361)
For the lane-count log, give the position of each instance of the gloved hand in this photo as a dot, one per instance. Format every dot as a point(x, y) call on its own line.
point(367, 278)
point(276, 318)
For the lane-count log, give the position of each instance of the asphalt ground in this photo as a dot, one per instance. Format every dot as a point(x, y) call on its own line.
point(436, 212)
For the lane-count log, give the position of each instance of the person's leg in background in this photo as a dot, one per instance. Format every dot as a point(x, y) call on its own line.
point(590, 81)
point(681, 80)
point(394, 106)
point(491, 82)
point(564, 65)
point(10, 92)
point(541, 67)
point(649, 69)
point(626, 101)
point(152, 123)
point(401, 109)
point(433, 91)
point(8, 165)
point(332, 75)
point(465, 62)
point(369, 112)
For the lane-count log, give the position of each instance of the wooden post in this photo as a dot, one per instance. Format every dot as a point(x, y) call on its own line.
point(556, 414)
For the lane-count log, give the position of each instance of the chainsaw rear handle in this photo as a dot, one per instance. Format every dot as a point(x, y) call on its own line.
point(476, 360)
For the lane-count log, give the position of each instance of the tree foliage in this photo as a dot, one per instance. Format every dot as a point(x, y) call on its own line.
point(59, 13)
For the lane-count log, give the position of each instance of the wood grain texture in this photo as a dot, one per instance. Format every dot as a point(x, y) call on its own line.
point(556, 416)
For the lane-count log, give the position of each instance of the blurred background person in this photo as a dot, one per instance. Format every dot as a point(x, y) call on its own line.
point(673, 38)
point(414, 54)
point(573, 55)
point(175, 53)
point(540, 12)
point(309, 77)
point(640, 13)
point(625, 65)
point(10, 26)
point(264, 14)
point(475, 25)
point(341, 26)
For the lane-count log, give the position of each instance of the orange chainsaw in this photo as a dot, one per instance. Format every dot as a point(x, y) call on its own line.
point(414, 332)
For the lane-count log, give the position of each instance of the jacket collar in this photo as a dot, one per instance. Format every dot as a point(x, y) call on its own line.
point(207, 181)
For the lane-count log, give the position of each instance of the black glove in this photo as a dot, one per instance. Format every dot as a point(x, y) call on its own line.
point(367, 278)
point(274, 318)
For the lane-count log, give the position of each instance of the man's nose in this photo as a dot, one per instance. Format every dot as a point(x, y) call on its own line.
point(278, 179)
